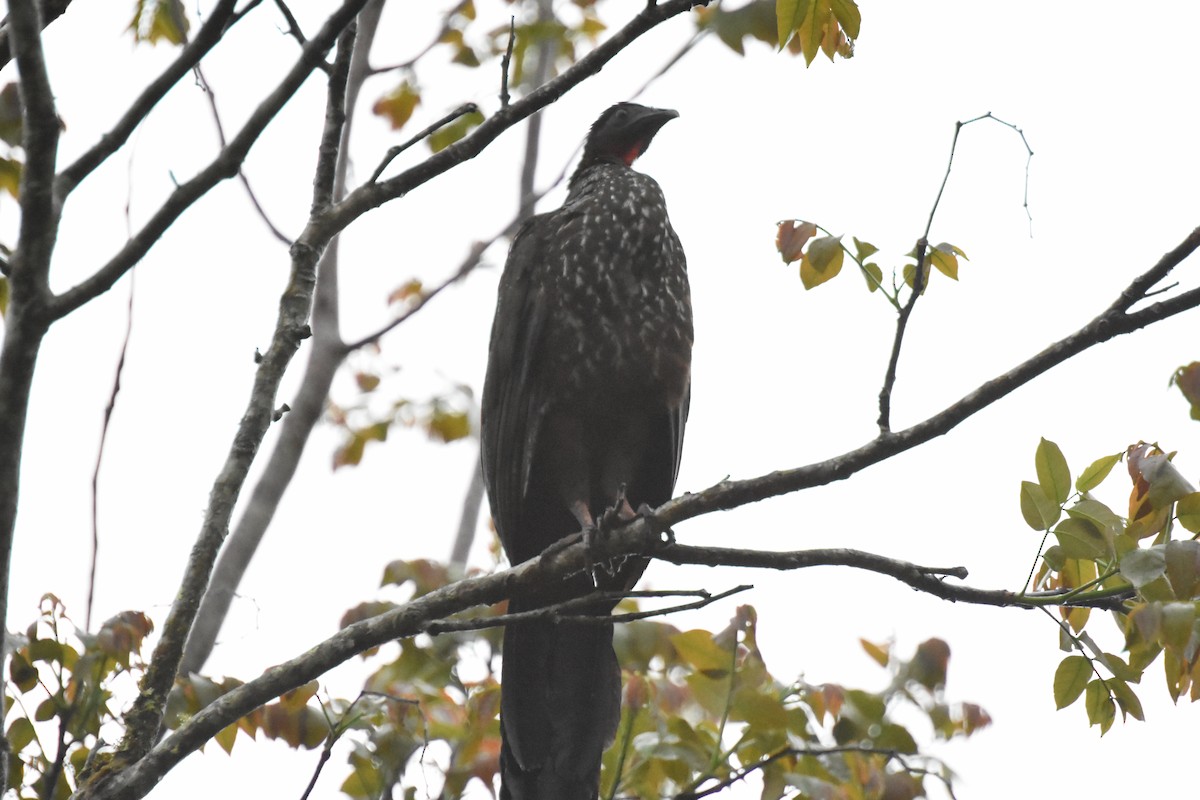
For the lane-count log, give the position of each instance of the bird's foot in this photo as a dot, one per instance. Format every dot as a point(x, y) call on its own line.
point(591, 542)
point(619, 512)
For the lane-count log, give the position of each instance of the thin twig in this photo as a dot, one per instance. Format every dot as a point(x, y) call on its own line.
point(504, 62)
point(461, 111)
point(670, 63)
point(211, 32)
point(250, 6)
point(50, 10)
point(293, 27)
point(144, 719)
point(207, 91)
point(108, 412)
point(743, 772)
point(556, 612)
point(921, 274)
point(1028, 159)
point(223, 166)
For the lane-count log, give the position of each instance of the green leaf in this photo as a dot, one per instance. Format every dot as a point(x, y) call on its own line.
point(1070, 679)
point(811, 31)
point(1100, 514)
point(873, 275)
point(1095, 474)
point(1039, 511)
point(448, 135)
point(12, 120)
point(159, 20)
point(20, 733)
point(1117, 666)
point(697, 648)
point(10, 176)
point(848, 16)
point(1100, 707)
point(1183, 568)
point(863, 249)
point(1081, 538)
point(1142, 566)
point(1052, 471)
point(1177, 620)
point(1126, 699)
point(789, 15)
point(1187, 510)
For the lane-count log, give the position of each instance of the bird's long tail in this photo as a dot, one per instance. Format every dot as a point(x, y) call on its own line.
point(560, 707)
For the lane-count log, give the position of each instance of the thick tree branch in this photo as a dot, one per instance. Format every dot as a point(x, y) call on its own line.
point(324, 358)
point(224, 166)
point(931, 580)
point(1109, 324)
point(373, 195)
point(207, 37)
point(431, 612)
point(26, 322)
point(50, 11)
point(144, 719)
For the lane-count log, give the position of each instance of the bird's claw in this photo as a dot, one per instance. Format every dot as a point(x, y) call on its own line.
point(591, 541)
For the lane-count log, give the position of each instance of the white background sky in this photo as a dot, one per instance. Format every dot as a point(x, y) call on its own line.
point(782, 377)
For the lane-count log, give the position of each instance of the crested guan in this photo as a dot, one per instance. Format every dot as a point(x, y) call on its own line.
point(583, 413)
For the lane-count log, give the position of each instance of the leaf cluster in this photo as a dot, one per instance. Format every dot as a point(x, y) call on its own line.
point(1147, 561)
point(444, 417)
point(822, 257)
point(59, 694)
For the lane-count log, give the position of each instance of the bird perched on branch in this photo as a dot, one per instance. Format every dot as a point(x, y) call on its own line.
point(584, 407)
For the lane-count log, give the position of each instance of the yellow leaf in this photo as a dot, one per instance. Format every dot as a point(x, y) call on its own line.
point(877, 652)
point(397, 106)
point(10, 176)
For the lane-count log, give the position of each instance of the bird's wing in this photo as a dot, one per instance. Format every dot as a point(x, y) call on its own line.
point(513, 405)
point(678, 421)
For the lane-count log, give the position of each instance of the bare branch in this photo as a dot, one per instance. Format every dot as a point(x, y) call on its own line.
point(324, 358)
point(1109, 324)
point(745, 771)
point(504, 62)
point(372, 195)
point(920, 275)
point(28, 270)
point(224, 166)
point(50, 11)
point(293, 28)
point(108, 412)
point(469, 518)
point(216, 115)
point(918, 287)
point(144, 719)
point(561, 612)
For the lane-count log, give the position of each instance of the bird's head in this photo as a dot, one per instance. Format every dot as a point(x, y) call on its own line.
point(623, 132)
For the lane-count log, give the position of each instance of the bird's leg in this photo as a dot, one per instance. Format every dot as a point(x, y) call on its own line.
point(587, 524)
point(619, 512)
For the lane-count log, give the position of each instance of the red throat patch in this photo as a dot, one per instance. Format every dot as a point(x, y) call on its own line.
point(632, 153)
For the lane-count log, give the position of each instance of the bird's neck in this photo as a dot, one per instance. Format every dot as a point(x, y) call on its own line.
point(591, 165)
